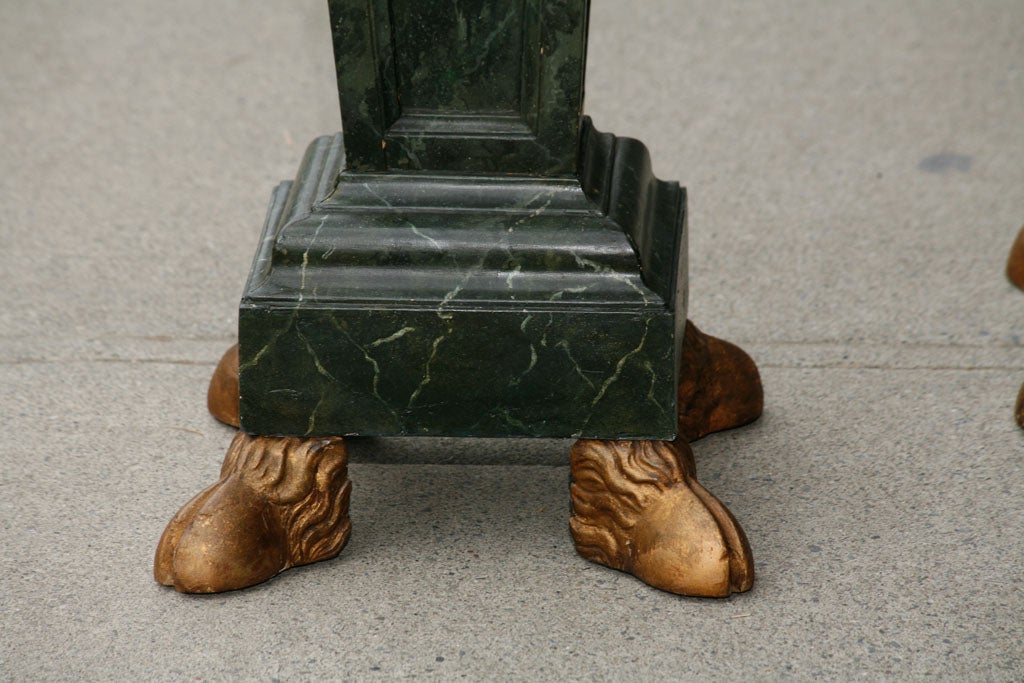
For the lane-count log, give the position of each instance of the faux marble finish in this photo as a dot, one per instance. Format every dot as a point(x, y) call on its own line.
point(459, 372)
point(467, 85)
point(453, 56)
point(476, 306)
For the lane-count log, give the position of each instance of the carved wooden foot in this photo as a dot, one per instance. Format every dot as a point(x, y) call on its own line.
point(223, 395)
point(637, 505)
point(638, 508)
point(719, 386)
point(280, 502)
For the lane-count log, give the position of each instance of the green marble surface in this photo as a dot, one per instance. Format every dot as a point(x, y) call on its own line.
point(461, 85)
point(459, 372)
point(445, 52)
point(443, 305)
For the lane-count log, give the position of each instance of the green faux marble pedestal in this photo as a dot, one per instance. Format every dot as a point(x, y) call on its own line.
point(470, 258)
point(468, 305)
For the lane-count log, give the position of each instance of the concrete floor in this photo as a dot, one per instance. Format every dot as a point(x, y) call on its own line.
point(856, 177)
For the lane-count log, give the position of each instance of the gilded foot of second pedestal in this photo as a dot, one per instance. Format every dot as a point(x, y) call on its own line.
point(1015, 263)
point(280, 502)
point(1018, 410)
point(638, 508)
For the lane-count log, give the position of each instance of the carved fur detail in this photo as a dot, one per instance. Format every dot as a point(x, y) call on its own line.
point(613, 482)
point(307, 480)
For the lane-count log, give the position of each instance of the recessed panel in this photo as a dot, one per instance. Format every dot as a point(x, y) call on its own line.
point(463, 86)
point(460, 56)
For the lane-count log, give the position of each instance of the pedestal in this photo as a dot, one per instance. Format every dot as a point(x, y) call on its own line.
point(472, 258)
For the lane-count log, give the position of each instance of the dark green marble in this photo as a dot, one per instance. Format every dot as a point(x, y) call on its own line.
point(379, 371)
point(470, 258)
point(501, 306)
point(471, 42)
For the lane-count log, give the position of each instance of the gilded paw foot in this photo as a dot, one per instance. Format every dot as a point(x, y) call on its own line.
point(638, 508)
point(280, 502)
point(719, 386)
point(222, 397)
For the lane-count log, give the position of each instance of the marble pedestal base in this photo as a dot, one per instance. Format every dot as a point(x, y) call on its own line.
point(637, 505)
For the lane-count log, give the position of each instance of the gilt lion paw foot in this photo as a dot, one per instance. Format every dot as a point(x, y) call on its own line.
point(638, 508)
point(719, 386)
point(280, 502)
point(222, 396)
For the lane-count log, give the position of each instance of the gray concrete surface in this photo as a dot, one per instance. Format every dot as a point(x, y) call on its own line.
point(856, 176)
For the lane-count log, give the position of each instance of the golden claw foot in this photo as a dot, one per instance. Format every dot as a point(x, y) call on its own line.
point(637, 505)
point(280, 502)
point(222, 397)
point(638, 508)
point(719, 386)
